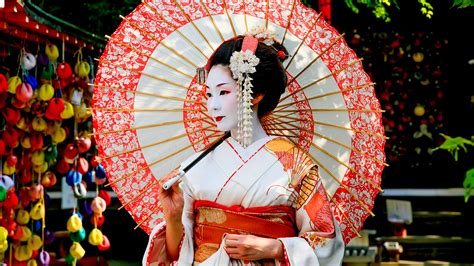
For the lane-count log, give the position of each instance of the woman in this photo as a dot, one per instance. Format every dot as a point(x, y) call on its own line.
point(255, 199)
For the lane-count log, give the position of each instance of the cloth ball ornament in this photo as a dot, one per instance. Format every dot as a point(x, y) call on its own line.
point(2, 147)
point(74, 223)
point(36, 192)
point(26, 233)
point(48, 179)
point(64, 70)
point(39, 124)
point(70, 151)
point(82, 69)
point(68, 111)
point(73, 177)
point(25, 142)
point(52, 52)
point(63, 166)
point(9, 170)
point(100, 172)
point(88, 177)
point(44, 258)
point(32, 262)
point(105, 244)
point(69, 259)
point(95, 237)
point(80, 190)
point(47, 73)
point(22, 217)
point(41, 168)
point(12, 199)
point(43, 59)
point(35, 242)
point(24, 92)
point(48, 237)
point(59, 135)
point(37, 211)
point(78, 236)
point(12, 159)
point(97, 219)
point(22, 124)
point(30, 79)
point(82, 165)
point(13, 83)
point(18, 104)
point(106, 196)
point(36, 141)
point(46, 92)
point(38, 157)
point(12, 115)
point(3, 83)
point(11, 137)
point(28, 61)
point(18, 233)
point(3, 194)
point(77, 251)
point(83, 144)
point(3, 246)
point(98, 205)
point(54, 109)
point(51, 153)
point(6, 182)
point(23, 253)
point(3, 233)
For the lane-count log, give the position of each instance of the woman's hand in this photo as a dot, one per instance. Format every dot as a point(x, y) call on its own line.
point(250, 247)
point(171, 200)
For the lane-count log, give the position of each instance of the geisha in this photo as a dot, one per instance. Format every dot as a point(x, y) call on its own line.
point(255, 199)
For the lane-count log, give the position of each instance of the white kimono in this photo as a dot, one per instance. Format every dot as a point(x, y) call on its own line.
point(267, 173)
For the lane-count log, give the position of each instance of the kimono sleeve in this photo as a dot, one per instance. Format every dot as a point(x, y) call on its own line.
point(155, 253)
point(319, 241)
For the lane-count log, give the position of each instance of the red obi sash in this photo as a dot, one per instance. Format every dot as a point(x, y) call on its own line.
point(213, 220)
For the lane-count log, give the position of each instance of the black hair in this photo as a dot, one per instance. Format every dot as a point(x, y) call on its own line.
point(270, 77)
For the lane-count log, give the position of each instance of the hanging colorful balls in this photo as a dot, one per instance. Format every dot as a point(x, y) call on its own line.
point(37, 212)
point(52, 52)
point(95, 237)
point(98, 205)
point(13, 83)
point(3, 83)
point(22, 217)
point(78, 236)
point(73, 177)
point(44, 258)
point(105, 244)
point(82, 69)
point(419, 110)
point(77, 251)
point(74, 223)
point(35, 242)
point(23, 253)
point(46, 92)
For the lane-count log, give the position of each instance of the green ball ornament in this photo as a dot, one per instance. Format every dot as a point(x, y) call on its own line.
point(69, 259)
point(78, 236)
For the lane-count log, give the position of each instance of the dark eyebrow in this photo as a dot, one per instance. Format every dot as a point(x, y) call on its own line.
point(218, 85)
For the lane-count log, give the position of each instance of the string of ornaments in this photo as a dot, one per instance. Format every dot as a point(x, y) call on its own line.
point(45, 128)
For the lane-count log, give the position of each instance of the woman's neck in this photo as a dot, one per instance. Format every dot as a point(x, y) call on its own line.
point(257, 130)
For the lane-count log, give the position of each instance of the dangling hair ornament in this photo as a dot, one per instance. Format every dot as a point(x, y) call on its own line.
point(242, 64)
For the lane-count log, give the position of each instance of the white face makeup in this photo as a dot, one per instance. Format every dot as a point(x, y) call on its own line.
point(221, 91)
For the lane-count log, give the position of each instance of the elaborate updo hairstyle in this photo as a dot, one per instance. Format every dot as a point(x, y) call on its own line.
point(270, 76)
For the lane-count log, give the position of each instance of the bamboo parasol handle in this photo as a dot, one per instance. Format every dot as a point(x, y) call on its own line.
point(168, 184)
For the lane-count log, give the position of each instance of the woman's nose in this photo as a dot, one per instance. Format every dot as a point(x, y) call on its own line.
point(214, 103)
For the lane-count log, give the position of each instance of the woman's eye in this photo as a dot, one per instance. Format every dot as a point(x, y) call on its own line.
point(224, 92)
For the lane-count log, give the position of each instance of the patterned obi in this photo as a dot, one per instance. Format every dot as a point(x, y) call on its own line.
point(213, 220)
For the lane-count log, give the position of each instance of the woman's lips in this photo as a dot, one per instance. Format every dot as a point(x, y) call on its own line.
point(219, 118)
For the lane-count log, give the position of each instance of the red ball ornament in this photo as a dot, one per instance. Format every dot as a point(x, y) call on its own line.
point(281, 55)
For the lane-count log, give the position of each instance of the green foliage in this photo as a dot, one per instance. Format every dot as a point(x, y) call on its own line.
point(463, 3)
point(453, 145)
point(379, 7)
point(468, 184)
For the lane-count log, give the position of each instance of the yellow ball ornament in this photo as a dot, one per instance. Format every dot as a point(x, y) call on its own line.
point(419, 110)
point(95, 237)
point(77, 251)
point(74, 223)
